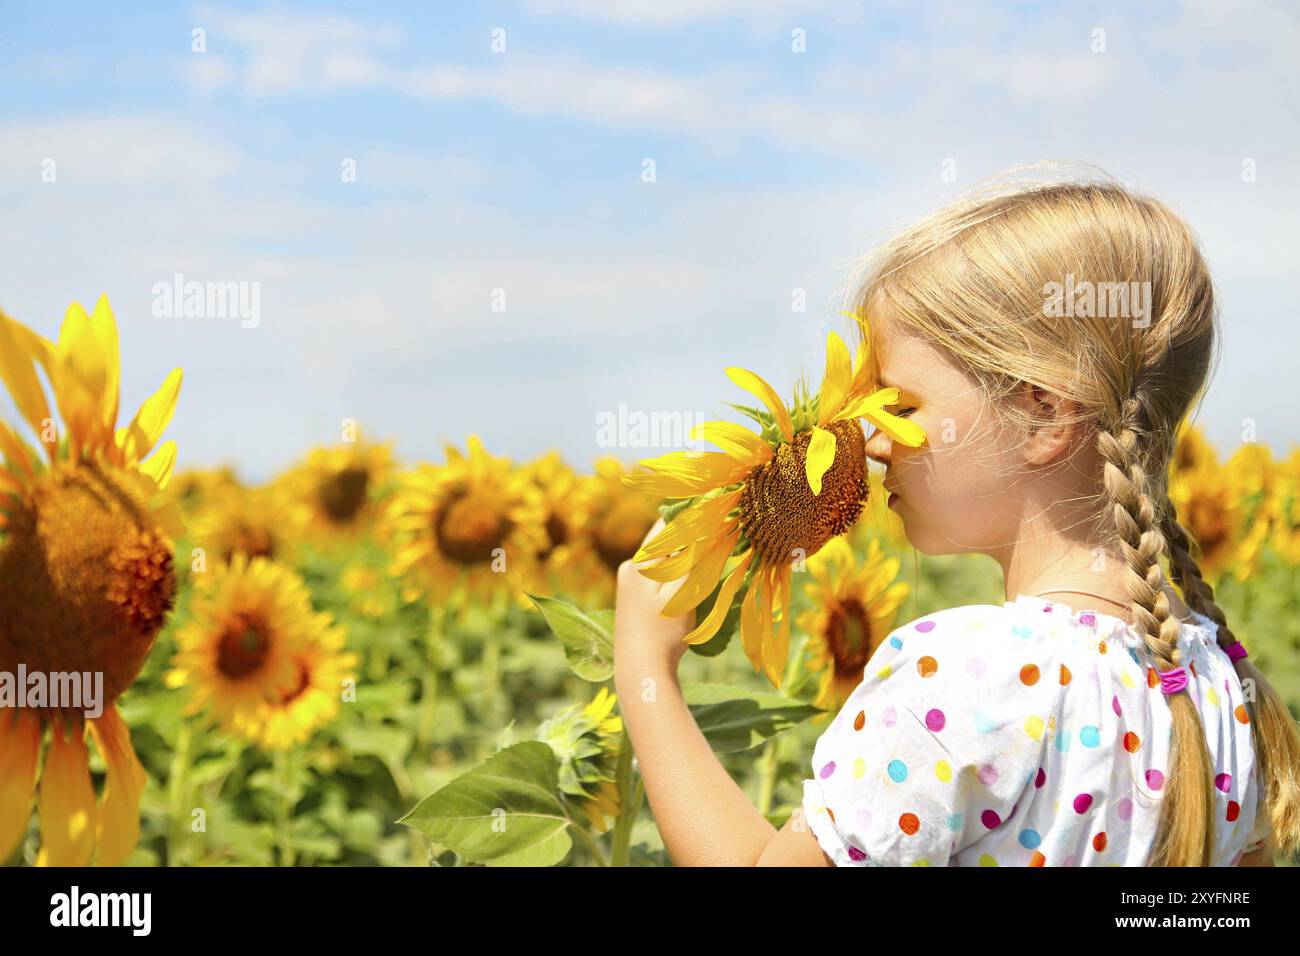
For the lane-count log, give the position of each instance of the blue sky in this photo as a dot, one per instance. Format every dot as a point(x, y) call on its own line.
point(521, 170)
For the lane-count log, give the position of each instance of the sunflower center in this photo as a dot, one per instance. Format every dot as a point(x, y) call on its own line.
point(557, 531)
point(343, 493)
point(472, 527)
point(779, 513)
point(620, 532)
point(242, 649)
point(849, 637)
point(86, 579)
point(253, 540)
point(304, 681)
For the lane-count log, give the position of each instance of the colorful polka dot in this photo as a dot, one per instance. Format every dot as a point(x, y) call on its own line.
point(1114, 705)
point(827, 769)
point(859, 768)
point(1241, 715)
point(927, 666)
point(1224, 782)
point(1234, 810)
point(925, 627)
point(889, 717)
point(1034, 726)
point(988, 775)
point(856, 854)
point(1124, 809)
point(1063, 740)
point(897, 771)
point(1020, 630)
point(1090, 736)
point(955, 821)
point(1099, 842)
point(1132, 742)
point(860, 721)
point(990, 819)
point(934, 719)
point(1029, 675)
point(1155, 779)
point(1065, 675)
point(1082, 803)
point(896, 643)
point(1030, 839)
point(909, 823)
point(943, 771)
point(983, 722)
point(1040, 778)
point(1037, 859)
point(1088, 619)
point(988, 859)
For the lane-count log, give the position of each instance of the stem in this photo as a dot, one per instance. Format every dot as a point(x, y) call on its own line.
point(284, 806)
point(177, 840)
point(628, 803)
point(592, 847)
point(429, 682)
point(767, 776)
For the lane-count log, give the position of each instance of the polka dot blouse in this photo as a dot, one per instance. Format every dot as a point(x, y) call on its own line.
point(1023, 735)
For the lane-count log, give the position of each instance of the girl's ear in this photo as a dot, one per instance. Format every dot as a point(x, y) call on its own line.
point(1051, 431)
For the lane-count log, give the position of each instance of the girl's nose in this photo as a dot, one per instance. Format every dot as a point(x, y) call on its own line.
point(879, 447)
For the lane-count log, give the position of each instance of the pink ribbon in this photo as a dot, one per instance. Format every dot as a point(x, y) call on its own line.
point(1171, 682)
point(1236, 651)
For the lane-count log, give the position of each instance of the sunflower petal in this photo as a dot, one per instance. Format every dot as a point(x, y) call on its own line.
point(726, 594)
point(160, 464)
point(821, 455)
point(119, 809)
point(751, 633)
point(758, 387)
point(20, 744)
point(15, 450)
point(151, 420)
point(671, 568)
point(703, 519)
point(683, 474)
point(871, 407)
point(836, 381)
point(779, 647)
point(66, 801)
point(736, 440)
point(702, 579)
point(19, 375)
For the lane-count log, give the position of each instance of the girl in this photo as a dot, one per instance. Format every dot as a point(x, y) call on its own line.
point(1094, 718)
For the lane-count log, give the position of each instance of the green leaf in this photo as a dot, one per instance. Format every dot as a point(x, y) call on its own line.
point(734, 720)
point(588, 639)
point(507, 811)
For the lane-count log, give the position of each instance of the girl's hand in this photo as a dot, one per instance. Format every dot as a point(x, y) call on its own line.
point(640, 630)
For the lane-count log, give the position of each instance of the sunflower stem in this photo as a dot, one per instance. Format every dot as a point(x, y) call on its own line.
point(284, 806)
point(628, 803)
point(429, 686)
point(592, 846)
point(176, 841)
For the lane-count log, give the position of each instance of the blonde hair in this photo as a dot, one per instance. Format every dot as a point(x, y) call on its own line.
point(973, 279)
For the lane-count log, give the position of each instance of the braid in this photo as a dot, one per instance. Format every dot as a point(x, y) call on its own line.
point(1273, 729)
point(1189, 796)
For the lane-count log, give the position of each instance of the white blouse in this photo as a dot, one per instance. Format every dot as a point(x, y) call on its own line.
point(1023, 735)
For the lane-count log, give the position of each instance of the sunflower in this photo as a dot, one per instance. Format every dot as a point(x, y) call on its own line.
point(336, 490)
point(585, 740)
point(191, 487)
point(254, 652)
point(1227, 509)
point(254, 522)
point(595, 523)
point(470, 528)
point(1192, 449)
point(86, 579)
point(854, 608)
point(1283, 506)
point(768, 499)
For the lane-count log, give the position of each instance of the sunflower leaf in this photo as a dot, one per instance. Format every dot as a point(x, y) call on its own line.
point(588, 639)
point(733, 720)
point(507, 811)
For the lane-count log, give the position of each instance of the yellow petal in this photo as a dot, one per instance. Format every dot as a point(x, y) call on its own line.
point(871, 407)
point(682, 474)
point(836, 381)
point(103, 330)
point(706, 629)
point(151, 420)
point(751, 632)
point(67, 801)
point(821, 455)
point(702, 579)
point(703, 519)
point(778, 649)
point(20, 744)
point(119, 808)
point(671, 568)
point(19, 375)
point(15, 449)
point(160, 464)
point(765, 393)
point(736, 440)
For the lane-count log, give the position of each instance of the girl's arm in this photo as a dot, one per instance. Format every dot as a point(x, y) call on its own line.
point(703, 815)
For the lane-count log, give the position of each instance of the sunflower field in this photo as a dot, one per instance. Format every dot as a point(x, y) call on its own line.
point(369, 661)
